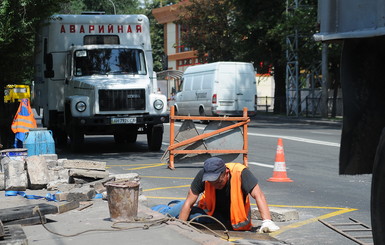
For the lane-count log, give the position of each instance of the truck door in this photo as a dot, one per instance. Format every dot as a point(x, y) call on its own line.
point(226, 89)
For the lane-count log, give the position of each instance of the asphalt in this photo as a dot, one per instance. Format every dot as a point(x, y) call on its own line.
point(93, 224)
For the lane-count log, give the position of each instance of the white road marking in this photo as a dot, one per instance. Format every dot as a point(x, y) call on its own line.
point(262, 164)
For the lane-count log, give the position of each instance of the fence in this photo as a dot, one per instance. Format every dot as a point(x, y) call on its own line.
point(310, 106)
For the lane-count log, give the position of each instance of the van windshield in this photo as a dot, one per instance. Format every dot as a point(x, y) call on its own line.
point(109, 61)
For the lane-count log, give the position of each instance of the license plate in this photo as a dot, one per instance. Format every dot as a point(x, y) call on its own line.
point(123, 120)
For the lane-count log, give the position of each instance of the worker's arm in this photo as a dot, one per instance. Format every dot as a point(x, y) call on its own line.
point(260, 199)
point(190, 201)
point(267, 224)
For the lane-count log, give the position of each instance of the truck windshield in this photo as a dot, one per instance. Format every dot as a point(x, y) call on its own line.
point(109, 61)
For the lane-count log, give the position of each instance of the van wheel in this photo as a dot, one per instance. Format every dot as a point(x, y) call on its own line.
point(203, 114)
point(154, 137)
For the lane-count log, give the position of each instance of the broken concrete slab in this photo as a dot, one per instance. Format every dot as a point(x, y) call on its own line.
point(277, 214)
point(84, 193)
point(84, 164)
point(15, 174)
point(95, 174)
point(50, 157)
point(127, 176)
point(2, 181)
point(37, 172)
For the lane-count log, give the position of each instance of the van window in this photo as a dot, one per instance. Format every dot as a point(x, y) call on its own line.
point(197, 83)
point(187, 84)
point(207, 81)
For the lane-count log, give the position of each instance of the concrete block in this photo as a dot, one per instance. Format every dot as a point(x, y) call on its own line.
point(95, 174)
point(85, 193)
point(37, 172)
point(50, 157)
point(51, 164)
point(277, 214)
point(60, 162)
point(2, 181)
point(127, 176)
point(84, 164)
point(15, 175)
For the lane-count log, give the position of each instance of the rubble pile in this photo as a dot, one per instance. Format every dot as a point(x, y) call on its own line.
point(74, 180)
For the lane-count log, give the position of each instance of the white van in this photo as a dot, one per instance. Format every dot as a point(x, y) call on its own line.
point(217, 89)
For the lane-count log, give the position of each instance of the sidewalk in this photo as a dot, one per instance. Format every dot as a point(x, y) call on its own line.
point(261, 116)
point(96, 220)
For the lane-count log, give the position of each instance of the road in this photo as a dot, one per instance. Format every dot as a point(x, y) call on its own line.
point(311, 155)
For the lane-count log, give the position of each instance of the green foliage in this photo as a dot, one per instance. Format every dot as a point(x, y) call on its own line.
point(210, 28)
point(18, 21)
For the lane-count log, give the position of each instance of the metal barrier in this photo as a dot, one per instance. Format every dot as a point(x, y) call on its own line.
point(242, 122)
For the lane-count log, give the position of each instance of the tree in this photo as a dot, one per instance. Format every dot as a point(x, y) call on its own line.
point(210, 28)
point(18, 22)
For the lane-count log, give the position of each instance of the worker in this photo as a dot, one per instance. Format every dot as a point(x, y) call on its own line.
point(226, 189)
point(23, 121)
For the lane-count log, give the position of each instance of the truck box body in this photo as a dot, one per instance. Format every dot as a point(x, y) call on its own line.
point(220, 88)
point(95, 73)
point(341, 19)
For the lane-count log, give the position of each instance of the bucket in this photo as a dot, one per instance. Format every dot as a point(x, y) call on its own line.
point(39, 141)
point(122, 199)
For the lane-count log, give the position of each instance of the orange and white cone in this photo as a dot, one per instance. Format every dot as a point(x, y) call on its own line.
point(279, 173)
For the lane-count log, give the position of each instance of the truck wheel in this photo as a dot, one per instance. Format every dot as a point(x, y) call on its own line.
point(155, 137)
point(377, 195)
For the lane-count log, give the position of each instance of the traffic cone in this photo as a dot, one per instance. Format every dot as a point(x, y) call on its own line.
point(279, 173)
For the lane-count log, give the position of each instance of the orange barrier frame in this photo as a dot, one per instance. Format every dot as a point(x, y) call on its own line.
point(243, 121)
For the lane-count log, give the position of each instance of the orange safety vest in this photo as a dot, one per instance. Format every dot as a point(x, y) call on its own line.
point(24, 119)
point(240, 213)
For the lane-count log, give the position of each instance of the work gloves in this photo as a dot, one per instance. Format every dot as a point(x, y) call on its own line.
point(268, 226)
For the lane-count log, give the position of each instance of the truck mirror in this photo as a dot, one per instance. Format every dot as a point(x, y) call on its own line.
point(49, 66)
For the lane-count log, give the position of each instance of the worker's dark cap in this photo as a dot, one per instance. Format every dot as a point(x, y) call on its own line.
point(213, 167)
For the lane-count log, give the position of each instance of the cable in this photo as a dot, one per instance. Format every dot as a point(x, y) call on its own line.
point(147, 221)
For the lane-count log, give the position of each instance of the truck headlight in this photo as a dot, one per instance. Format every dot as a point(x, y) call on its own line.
point(81, 106)
point(158, 104)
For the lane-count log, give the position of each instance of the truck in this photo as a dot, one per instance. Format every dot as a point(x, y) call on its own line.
point(94, 76)
point(217, 89)
point(16, 92)
point(360, 25)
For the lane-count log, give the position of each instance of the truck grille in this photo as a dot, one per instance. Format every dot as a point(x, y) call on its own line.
point(122, 100)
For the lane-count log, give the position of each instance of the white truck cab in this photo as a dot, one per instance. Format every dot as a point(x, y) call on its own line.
point(94, 75)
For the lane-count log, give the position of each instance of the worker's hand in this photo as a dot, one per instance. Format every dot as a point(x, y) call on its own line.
point(268, 226)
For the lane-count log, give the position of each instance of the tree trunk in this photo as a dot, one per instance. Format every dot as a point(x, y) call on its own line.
point(280, 88)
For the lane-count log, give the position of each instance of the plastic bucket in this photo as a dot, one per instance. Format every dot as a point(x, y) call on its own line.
point(122, 199)
point(39, 141)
